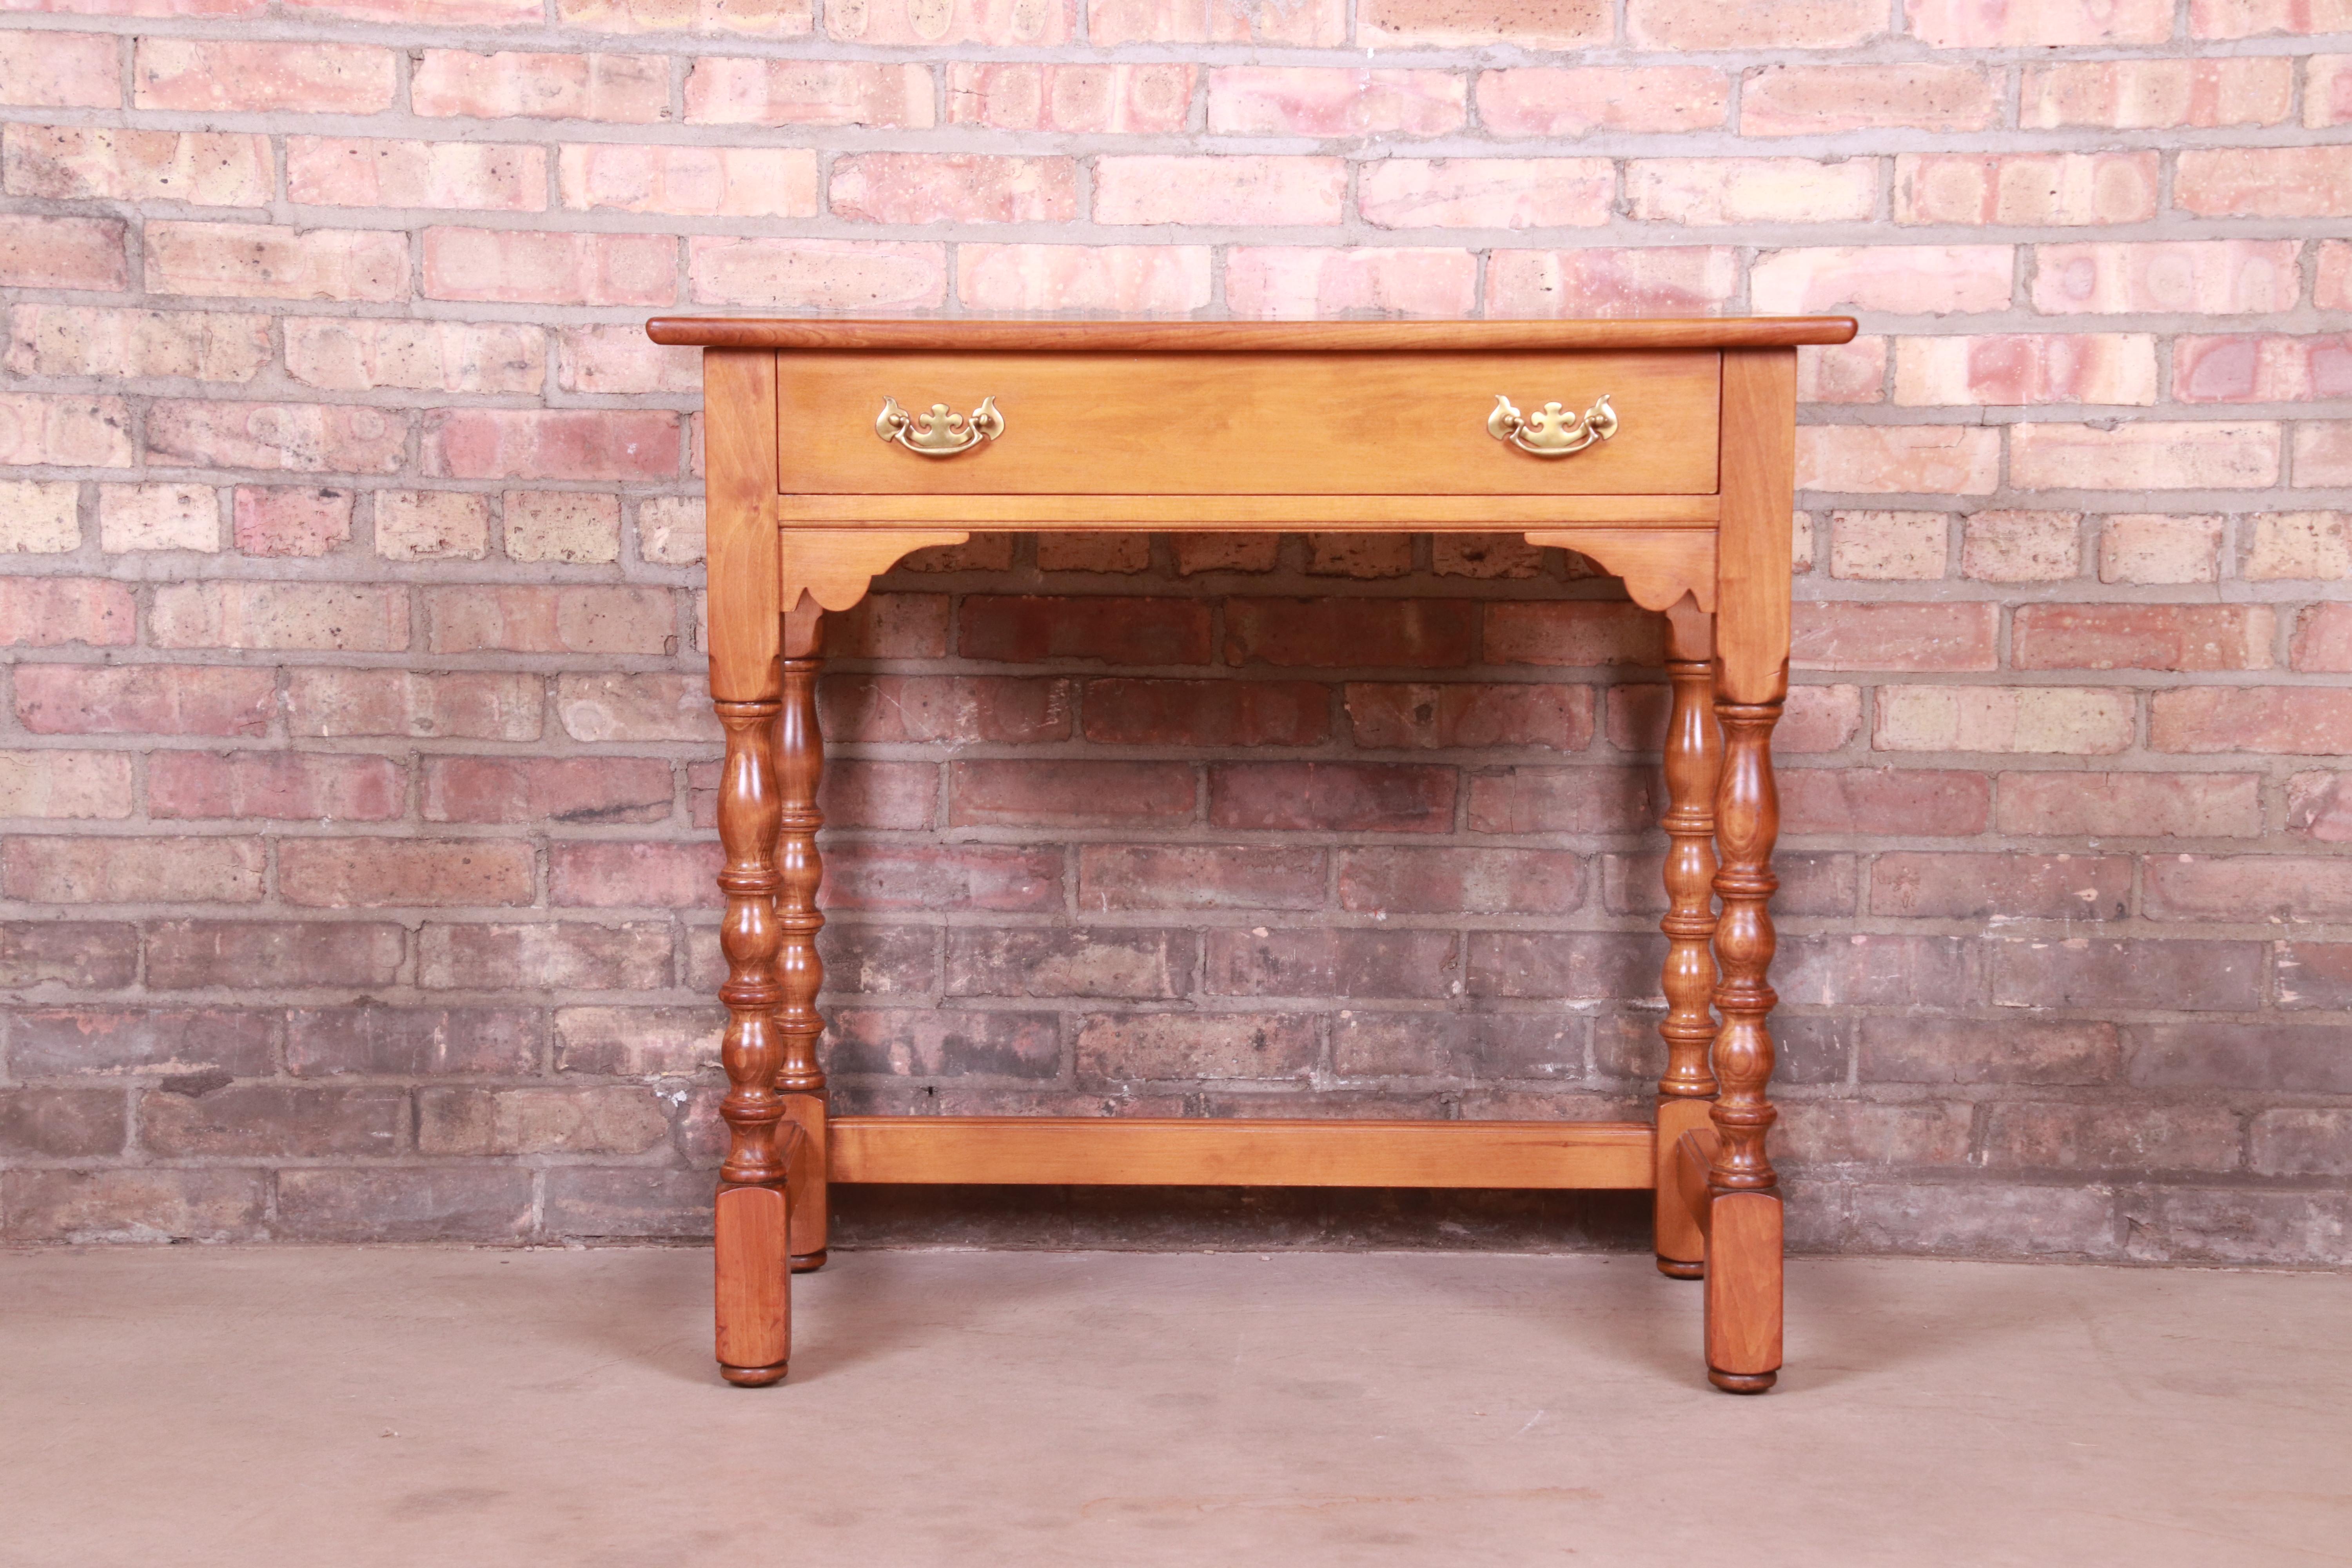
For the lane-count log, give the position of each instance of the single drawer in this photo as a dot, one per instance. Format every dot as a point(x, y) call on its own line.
point(1247, 424)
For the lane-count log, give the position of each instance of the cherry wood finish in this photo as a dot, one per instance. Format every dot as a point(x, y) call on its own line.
point(1716, 562)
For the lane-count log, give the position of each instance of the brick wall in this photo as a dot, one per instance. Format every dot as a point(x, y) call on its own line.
point(354, 786)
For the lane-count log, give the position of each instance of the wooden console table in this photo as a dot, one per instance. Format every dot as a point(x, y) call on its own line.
point(1662, 450)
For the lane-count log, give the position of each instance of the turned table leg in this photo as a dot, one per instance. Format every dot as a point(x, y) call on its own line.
point(755, 1298)
point(1694, 761)
point(800, 973)
point(1743, 1264)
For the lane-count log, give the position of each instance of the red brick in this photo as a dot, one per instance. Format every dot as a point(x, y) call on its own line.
point(2323, 453)
point(403, 1203)
point(412, 1042)
point(1001, 878)
point(2158, 547)
point(1319, 23)
point(358, 354)
point(213, 75)
point(1820, 100)
point(2157, 94)
point(1022, 630)
point(1208, 712)
point(58, 870)
point(2322, 639)
point(1552, 24)
point(274, 1119)
point(1070, 794)
point(2137, 1138)
point(51, 612)
point(1898, 460)
point(1843, 373)
point(1904, 279)
point(2247, 887)
point(707, 182)
point(1893, 803)
point(2269, 1055)
point(1145, 965)
point(1550, 285)
point(1390, 717)
point(387, 873)
point(58, 783)
point(292, 520)
point(614, 874)
point(2326, 90)
point(2301, 1142)
point(1187, 877)
point(1123, 553)
point(1563, 800)
point(1810, 884)
point(368, 172)
point(1232, 191)
point(1768, 25)
point(937, 707)
point(212, 1204)
point(991, 22)
point(1339, 797)
point(1304, 283)
point(2019, 368)
point(61, 1123)
point(2151, 455)
point(775, 18)
point(894, 625)
point(620, 360)
point(2142, 637)
point(82, 163)
point(522, 267)
point(62, 71)
point(2047, 24)
point(88, 340)
point(945, 1045)
point(1572, 632)
point(951, 187)
point(2319, 806)
point(1713, 190)
point(574, 791)
point(2264, 181)
point(606, 1118)
point(259, 261)
point(1817, 718)
point(2254, 18)
point(569, 955)
point(1339, 963)
point(2304, 719)
point(189, 955)
point(2002, 885)
point(1447, 881)
point(82, 432)
point(143, 1041)
point(1420, 634)
point(61, 252)
point(1227, 1046)
point(1118, 280)
point(364, 617)
point(1302, 101)
point(2131, 805)
point(445, 13)
point(481, 706)
point(152, 698)
point(2270, 368)
point(722, 90)
point(817, 274)
point(85, 956)
point(1006, 95)
point(631, 88)
point(1581, 966)
point(299, 438)
point(2160, 976)
point(2065, 721)
point(1849, 635)
point(1555, 102)
point(1485, 555)
point(2211, 277)
point(552, 443)
point(2008, 546)
point(280, 785)
point(1916, 1049)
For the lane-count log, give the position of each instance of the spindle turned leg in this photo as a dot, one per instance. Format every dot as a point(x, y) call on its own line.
point(1694, 761)
point(1743, 1262)
point(799, 971)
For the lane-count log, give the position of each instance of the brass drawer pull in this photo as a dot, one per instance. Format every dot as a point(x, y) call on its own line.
point(938, 433)
point(1549, 432)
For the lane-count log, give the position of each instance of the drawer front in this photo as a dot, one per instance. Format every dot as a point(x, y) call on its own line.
point(1247, 424)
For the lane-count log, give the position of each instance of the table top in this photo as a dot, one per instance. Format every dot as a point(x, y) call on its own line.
point(1242, 337)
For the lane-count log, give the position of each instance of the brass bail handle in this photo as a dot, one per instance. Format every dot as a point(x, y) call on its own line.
point(1549, 431)
point(939, 433)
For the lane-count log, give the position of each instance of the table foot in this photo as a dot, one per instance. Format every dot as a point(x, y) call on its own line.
point(753, 1376)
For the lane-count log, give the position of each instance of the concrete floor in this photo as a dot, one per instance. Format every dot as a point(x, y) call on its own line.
point(434, 1408)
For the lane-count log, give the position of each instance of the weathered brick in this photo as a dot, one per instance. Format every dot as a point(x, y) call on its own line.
point(1843, 373)
point(301, 438)
point(1974, 24)
point(1221, 1046)
point(63, 784)
point(2323, 453)
point(616, 874)
point(2157, 94)
point(638, 1042)
point(2173, 976)
point(573, 955)
point(51, 612)
point(158, 517)
point(2305, 719)
point(947, 1043)
point(2151, 455)
point(1563, 800)
point(85, 956)
point(215, 75)
point(771, 18)
point(1340, 964)
point(1117, 279)
point(1817, 718)
point(1924, 637)
point(1770, 25)
point(1648, 280)
point(1207, 712)
point(567, 619)
point(629, 89)
point(2254, 18)
point(1116, 876)
point(701, 182)
point(207, 1204)
point(2011, 885)
point(379, 873)
point(607, 1119)
point(572, 526)
point(1305, 100)
point(574, 791)
point(1486, 192)
point(2264, 181)
point(1582, 966)
point(62, 71)
point(259, 261)
point(1710, 191)
point(2142, 637)
point(189, 955)
point(721, 90)
point(1810, 884)
point(1410, 633)
point(1889, 546)
point(990, 22)
point(78, 163)
point(1070, 794)
point(349, 171)
point(2198, 277)
point(2326, 90)
point(2247, 887)
point(347, 353)
point(1566, 102)
point(2018, 368)
point(2291, 1059)
point(523, 266)
point(1127, 553)
point(1230, 190)
point(172, 700)
point(412, 1042)
point(2133, 1138)
point(1813, 1132)
point(300, 520)
point(951, 187)
point(2130, 806)
point(2295, 1142)
point(2321, 639)
point(39, 517)
point(1823, 99)
point(1474, 881)
point(2011, 546)
point(2265, 368)
point(1928, 803)
point(354, 617)
point(60, 1123)
point(1108, 962)
point(1022, 630)
point(403, 1203)
point(485, 705)
point(1299, 283)
point(2287, 545)
point(2158, 547)
point(62, 870)
point(1443, 716)
point(1884, 459)
point(2067, 721)
point(431, 525)
point(82, 432)
point(272, 1119)
point(1003, 878)
point(1344, 797)
point(122, 1041)
point(1007, 95)
point(2045, 1052)
point(2319, 806)
point(281, 785)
